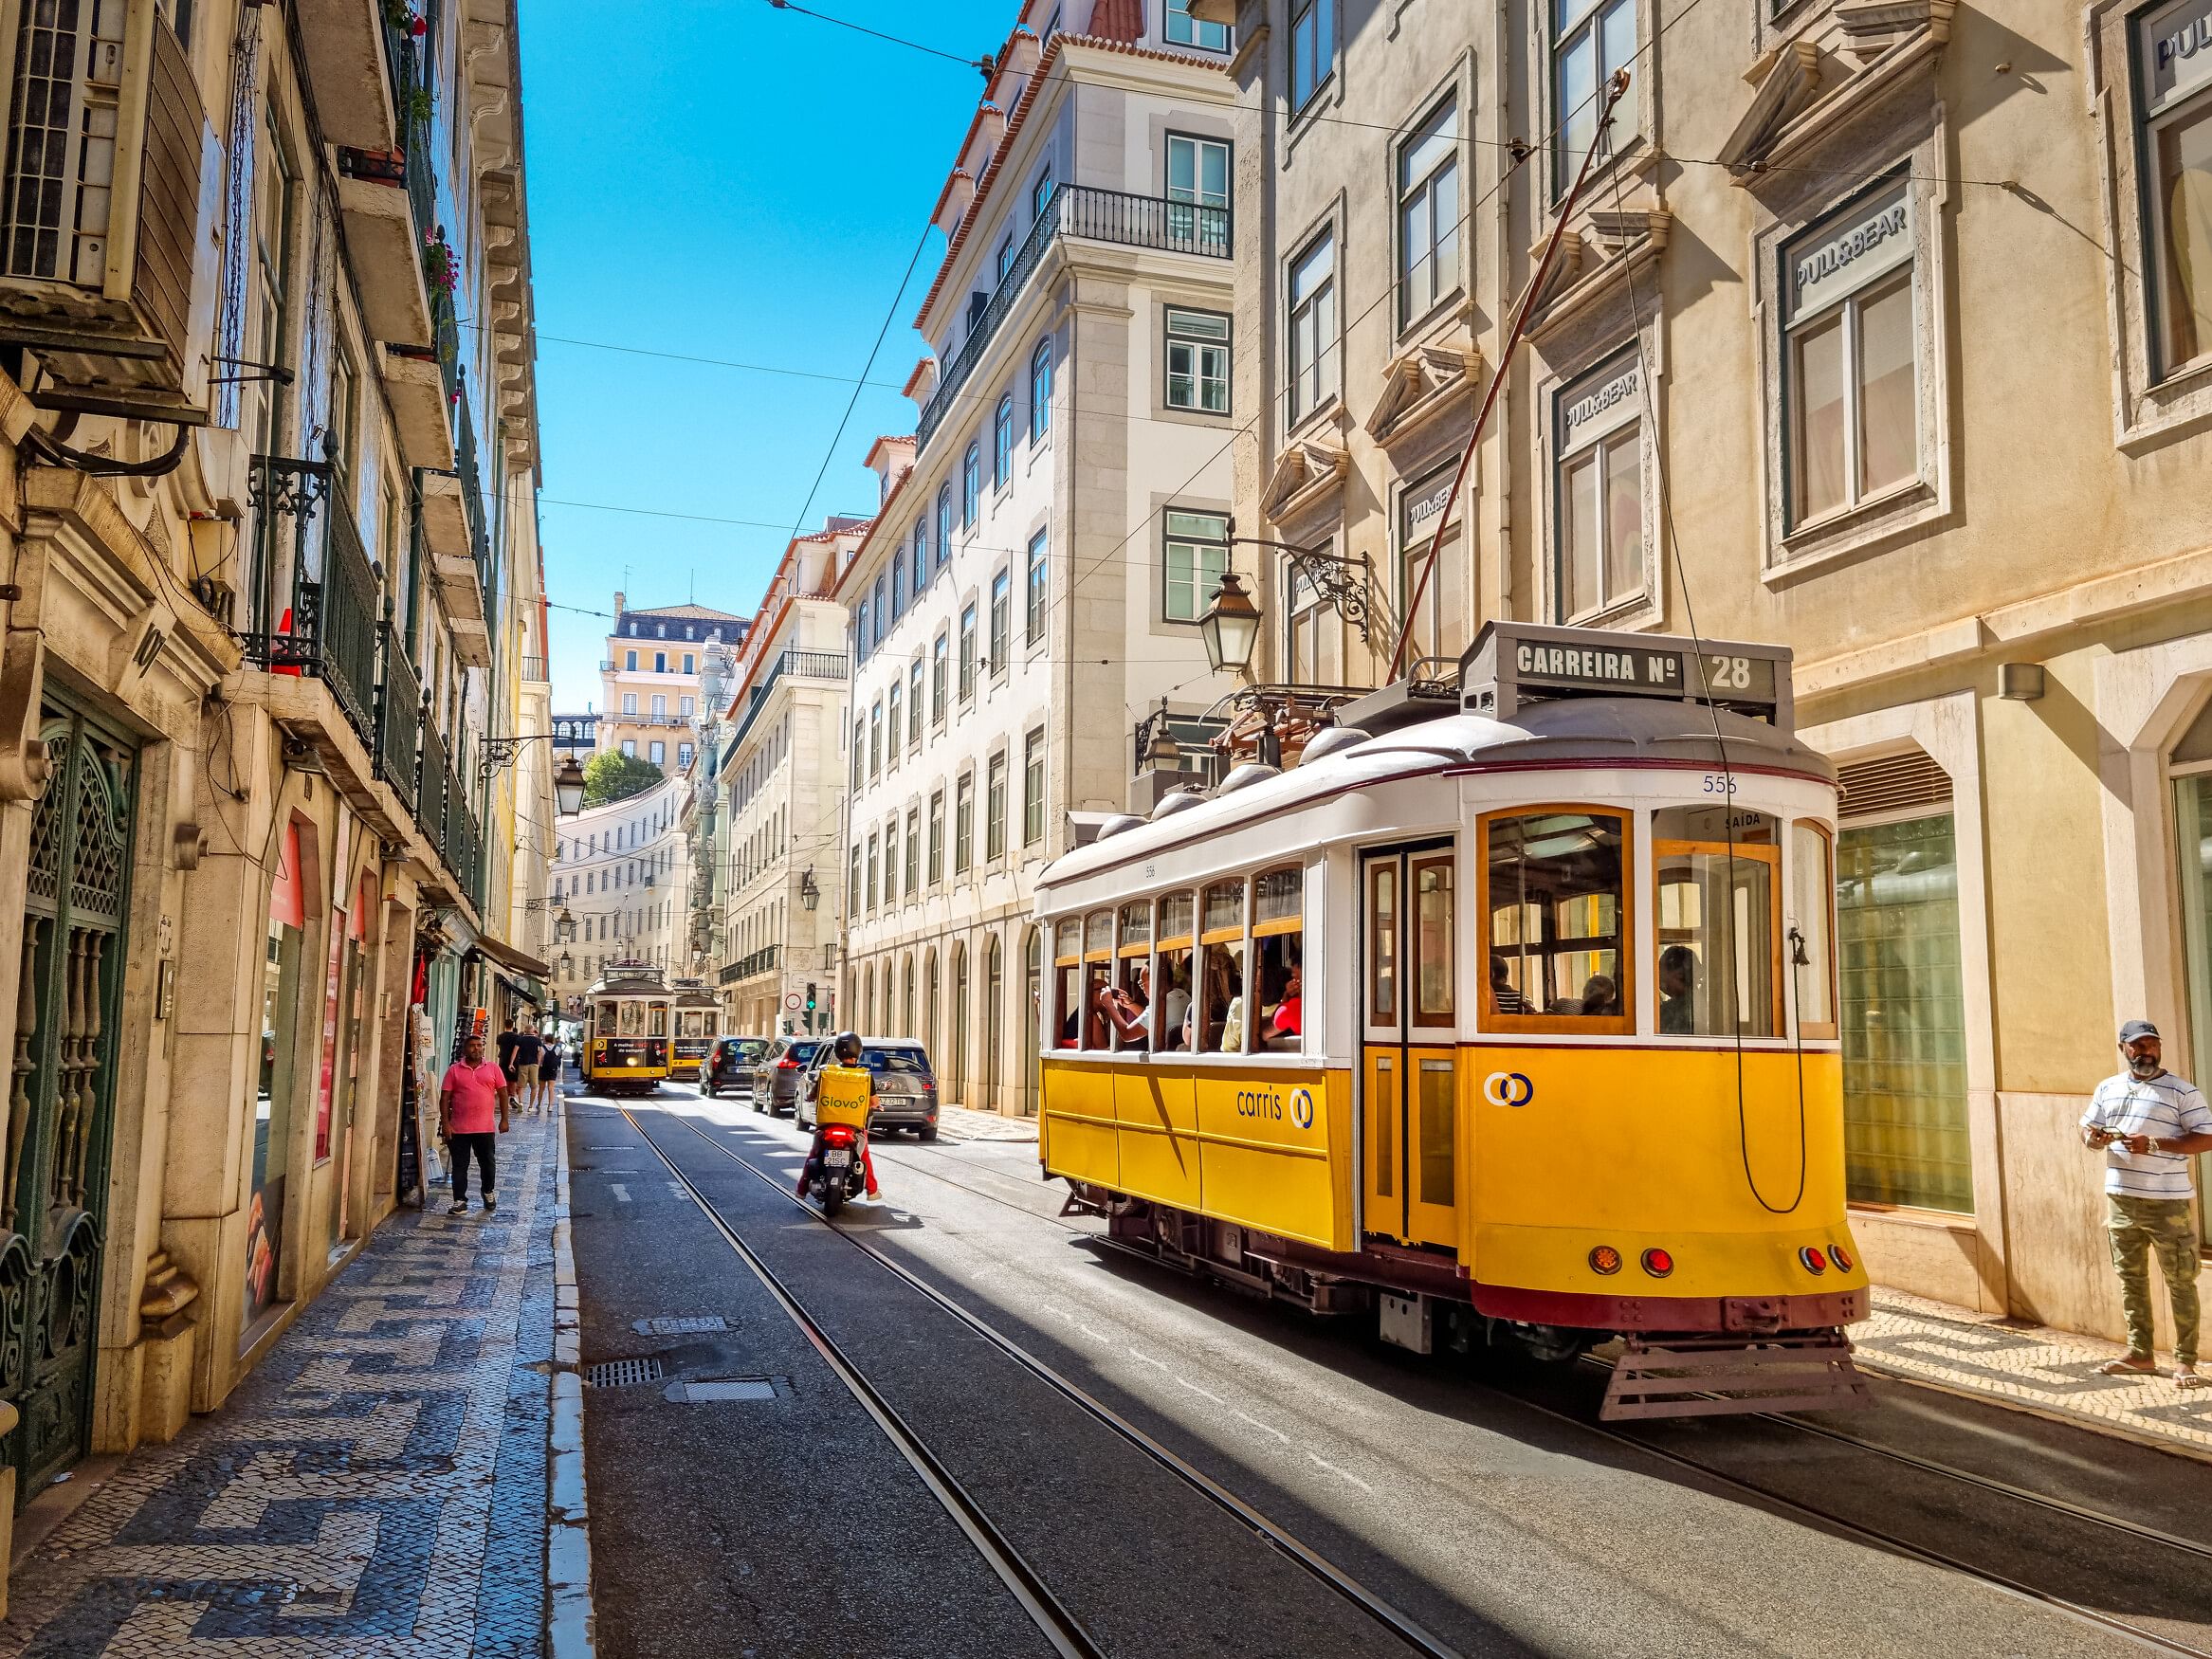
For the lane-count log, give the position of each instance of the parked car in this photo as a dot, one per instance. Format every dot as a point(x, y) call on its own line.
point(730, 1065)
point(776, 1073)
point(906, 1085)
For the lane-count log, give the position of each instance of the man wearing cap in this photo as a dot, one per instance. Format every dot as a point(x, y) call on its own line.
point(2147, 1122)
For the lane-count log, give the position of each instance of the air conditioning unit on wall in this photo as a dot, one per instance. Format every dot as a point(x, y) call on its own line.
point(107, 208)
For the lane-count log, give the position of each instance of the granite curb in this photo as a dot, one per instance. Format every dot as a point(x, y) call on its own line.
point(570, 1632)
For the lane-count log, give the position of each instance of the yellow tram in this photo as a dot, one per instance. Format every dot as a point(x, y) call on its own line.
point(697, 1014)
point(1509, 1009)
point(626, 1043)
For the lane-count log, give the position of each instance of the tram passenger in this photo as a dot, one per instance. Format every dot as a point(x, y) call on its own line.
point(1679, 991)
point(1224, 991)
point(1501, 993)
point(1118, 1012)
point(1287, 1025)
point(1175, 1027)
point(1601, 995)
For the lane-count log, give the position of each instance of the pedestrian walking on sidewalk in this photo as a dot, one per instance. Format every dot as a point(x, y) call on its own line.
point(548, 1080)
point(472, 1113)
point(2147, 1122)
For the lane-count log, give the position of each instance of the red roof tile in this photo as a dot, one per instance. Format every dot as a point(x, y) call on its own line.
point(1117, 20)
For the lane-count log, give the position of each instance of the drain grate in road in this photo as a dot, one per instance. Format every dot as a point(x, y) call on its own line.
point(621, 1373)
point(734, 1390)
point(688, 1324)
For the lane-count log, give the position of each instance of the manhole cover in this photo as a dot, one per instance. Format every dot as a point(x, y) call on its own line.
point(620, 1372)
point(681, 1328)
point(739, 1390)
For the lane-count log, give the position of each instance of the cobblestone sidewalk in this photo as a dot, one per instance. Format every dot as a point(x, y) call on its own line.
point(377, 1486)
point(960, 1124)
point(2030, 1368)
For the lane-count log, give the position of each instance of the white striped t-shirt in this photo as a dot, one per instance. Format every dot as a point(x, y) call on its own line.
point(2165, 1107)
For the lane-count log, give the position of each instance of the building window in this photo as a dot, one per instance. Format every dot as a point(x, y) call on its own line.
point(897, 690)
point(658, 754)
point(914, 704)
point(1419, 508)
point(971, 485)
point(963, 824)
point(1308, 642)
point(689, 660)
point(1313, 326)
point(2174, 44)
point(1850, 370)
point(1592, 39)
point(684, 757)
point(1005, 256)
point(882, 613)
point(1197, 194)
point(630, 662)
point(1040, 390)
point(967, 651)
point(944, 526)
point(687, 707)
point(659, 708)
point(875, 739)
point(853, 883)
point(630, 703)
point(660, 661)
point(1313, 48)
point(872, 844)
point(1001, 619)
point(898, 587)
point(860, 646)
point(630, 747)
point(891, 862)
point(1033, 594)
point(937, 837)
point(913, 851)
point(1186, 31)
point(1032, 788)
point(1197, 558)
point(1198, 360)
point(939, 650)
point(1597, 488)
point(920, 576)
point(859, 747)
point(1427, 214)
point(1002, 443)
point(995, 809)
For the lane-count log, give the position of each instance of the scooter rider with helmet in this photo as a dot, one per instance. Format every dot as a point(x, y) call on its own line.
point(846, 1093)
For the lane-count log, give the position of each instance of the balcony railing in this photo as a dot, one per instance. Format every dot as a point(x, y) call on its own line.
point(433, 774)
point(760, 961)
point(799, 666)
point(535, 668)
point(1097, 215)
point(323, 621)
point(400, 718)
point(411, 93)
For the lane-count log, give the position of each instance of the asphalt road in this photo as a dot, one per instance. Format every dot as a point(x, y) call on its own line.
point(1478, 1499)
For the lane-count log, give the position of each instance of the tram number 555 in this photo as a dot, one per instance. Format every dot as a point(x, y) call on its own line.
point(1729, 673)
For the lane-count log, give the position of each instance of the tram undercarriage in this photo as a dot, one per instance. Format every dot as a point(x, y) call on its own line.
point(1758, 1360)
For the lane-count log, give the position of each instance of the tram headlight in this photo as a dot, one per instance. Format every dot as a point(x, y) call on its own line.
point(1814, 1262)
point(1605, 1260)
point(1659, 1264)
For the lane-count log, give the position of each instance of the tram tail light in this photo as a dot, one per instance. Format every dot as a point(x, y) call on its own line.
point(1605, 1260)
point(1814, 1262)
point(1841, 1257)
point(1659, 1264)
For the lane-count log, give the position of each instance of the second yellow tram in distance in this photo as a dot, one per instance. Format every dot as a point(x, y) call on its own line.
point(697, 1013)
point(626, 1046)
point(1509, 1009)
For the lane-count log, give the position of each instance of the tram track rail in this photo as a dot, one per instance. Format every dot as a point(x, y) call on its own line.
point(2148, 1640)
point(1397, 1622)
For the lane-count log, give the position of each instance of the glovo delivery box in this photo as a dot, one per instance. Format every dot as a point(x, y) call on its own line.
point(843, 1096)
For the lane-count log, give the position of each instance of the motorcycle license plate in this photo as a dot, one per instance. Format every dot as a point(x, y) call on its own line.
point(838, 1159)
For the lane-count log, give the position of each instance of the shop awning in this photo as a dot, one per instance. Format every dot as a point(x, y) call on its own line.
point(518, 961)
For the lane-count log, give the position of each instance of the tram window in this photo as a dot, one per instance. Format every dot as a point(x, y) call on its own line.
point(1382, 944)
point(1133, 977)
point(1067, 977)
point(660, 1020)
point(632, 1018)
point(1555, 921)
point(1173, 977)
point(1430, 938)
point(1098, 972)
point(1812, 906)
point(1719, 893)
point(1218, 1016)
point(609, 1018)
point(1278, 960)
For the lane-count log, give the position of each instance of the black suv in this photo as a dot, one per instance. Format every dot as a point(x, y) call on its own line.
point(906, 1085)
point(729, 1065)
point(776, 1073)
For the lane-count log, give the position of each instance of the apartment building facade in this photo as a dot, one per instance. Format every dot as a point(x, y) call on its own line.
point(618, 890)
point(650, 696)
point(1044, 547)
point(265, 510)
point(1883, 332)
point(781, 883)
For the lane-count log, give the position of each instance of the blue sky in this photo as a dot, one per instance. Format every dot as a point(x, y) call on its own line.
point(725, 179)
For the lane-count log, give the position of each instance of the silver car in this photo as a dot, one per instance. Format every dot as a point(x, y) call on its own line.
point(776, 1073)
point(906, 1085)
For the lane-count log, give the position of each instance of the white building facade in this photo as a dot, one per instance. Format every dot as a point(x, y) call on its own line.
point(618, 877)
point(1030, 588)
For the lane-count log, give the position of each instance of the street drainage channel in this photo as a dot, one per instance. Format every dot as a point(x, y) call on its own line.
point(688, 1389)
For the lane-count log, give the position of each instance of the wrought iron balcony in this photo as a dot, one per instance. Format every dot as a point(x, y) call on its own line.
point(760, 961)
point(402, 715)
point(325, 622)
point(1094, 215)
point(790, 662)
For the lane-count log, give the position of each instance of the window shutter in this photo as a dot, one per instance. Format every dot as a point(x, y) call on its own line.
point(1892, 784)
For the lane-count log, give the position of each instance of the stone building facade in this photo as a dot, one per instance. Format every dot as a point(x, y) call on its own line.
point(618, 875)
point(651, 678)
point(265, 511)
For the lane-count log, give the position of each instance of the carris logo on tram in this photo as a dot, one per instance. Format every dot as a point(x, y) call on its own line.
point(1507, 1089)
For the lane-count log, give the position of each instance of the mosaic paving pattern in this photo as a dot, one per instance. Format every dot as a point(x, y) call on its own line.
point(377, 1486)
point(958, 1123)
point(2054, 1373)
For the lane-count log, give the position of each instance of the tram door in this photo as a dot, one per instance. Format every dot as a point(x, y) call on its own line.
point(1410, 1115)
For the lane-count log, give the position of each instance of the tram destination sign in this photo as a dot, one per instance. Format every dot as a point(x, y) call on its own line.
point(1513, 663)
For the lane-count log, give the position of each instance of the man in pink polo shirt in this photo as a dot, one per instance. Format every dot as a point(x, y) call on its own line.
point(472, 1111)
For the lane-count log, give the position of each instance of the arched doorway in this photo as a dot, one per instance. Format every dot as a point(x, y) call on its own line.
point(1033, 963)
point(931, 1036)
point(906, 999)
point(994, 1020)
point(959, 1019)
point(867, 1023)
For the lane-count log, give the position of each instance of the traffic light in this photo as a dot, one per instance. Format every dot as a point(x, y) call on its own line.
point(810, 996)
